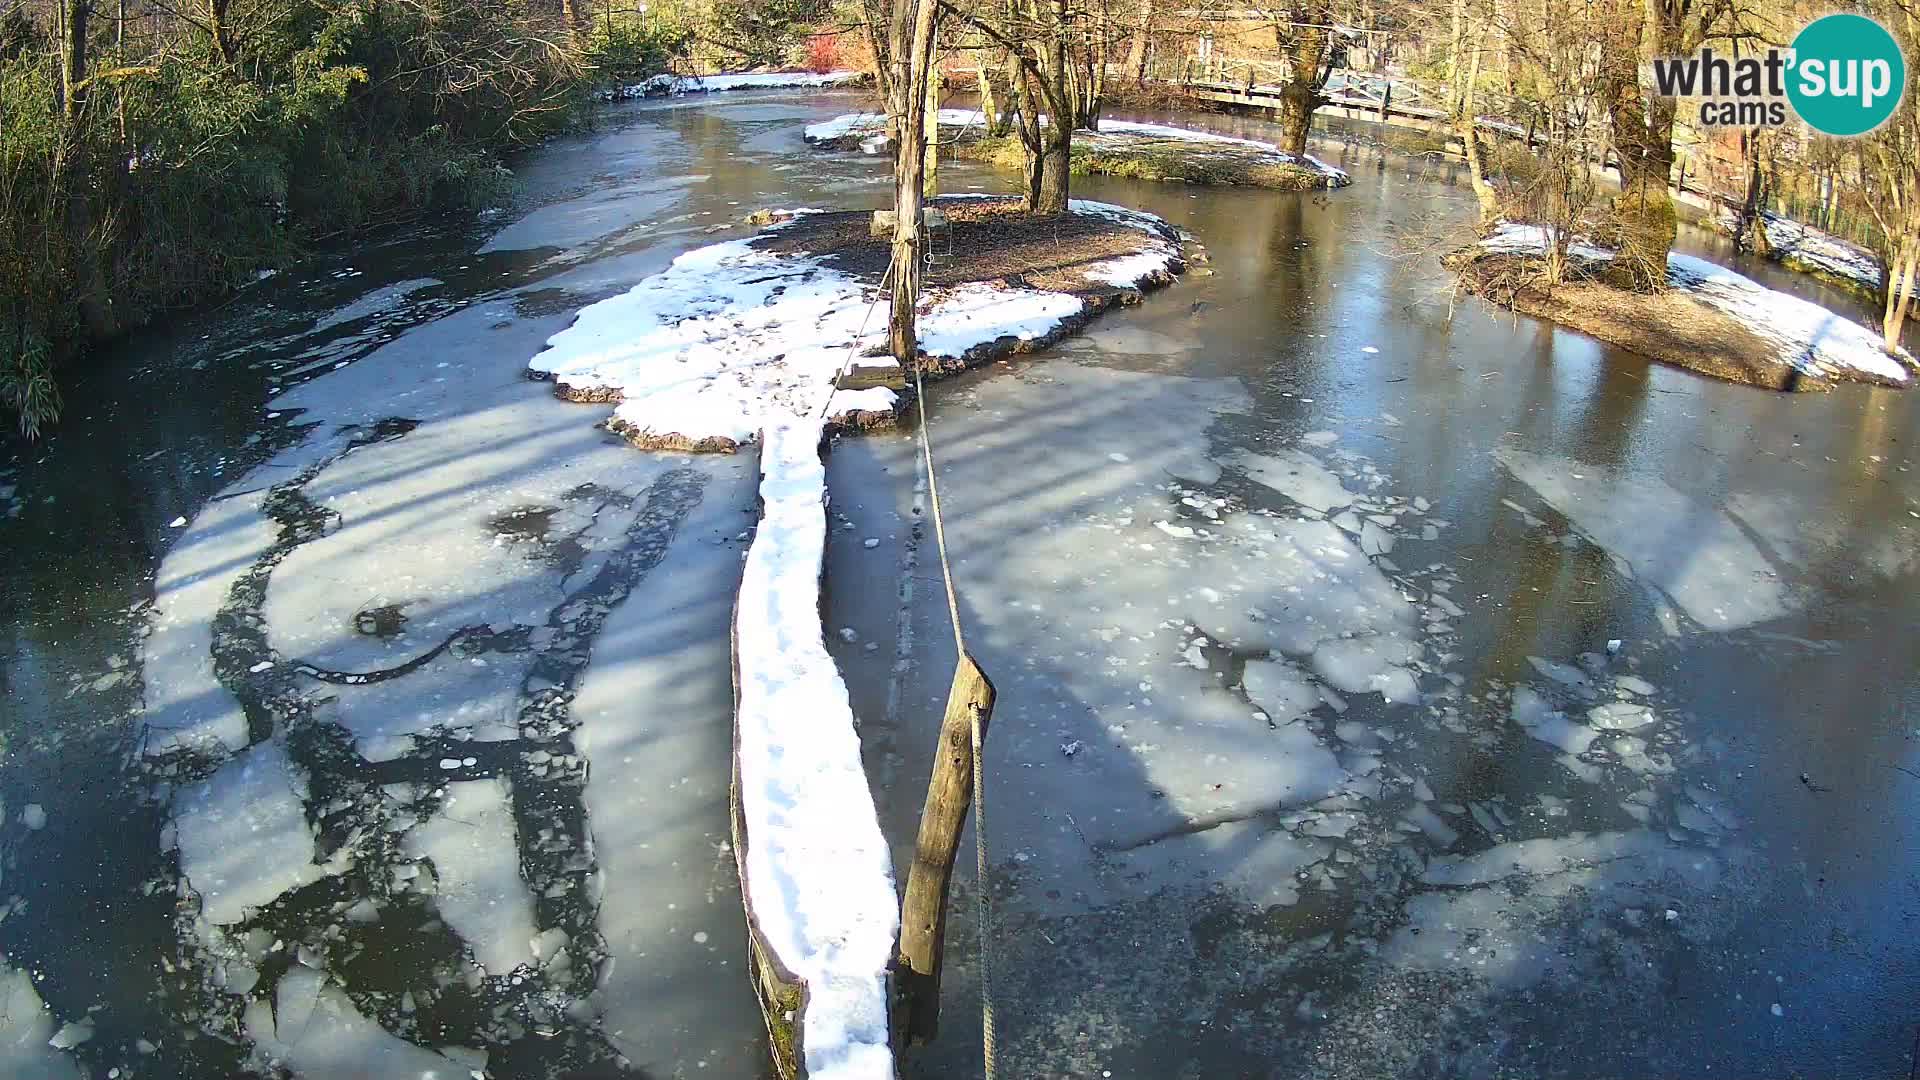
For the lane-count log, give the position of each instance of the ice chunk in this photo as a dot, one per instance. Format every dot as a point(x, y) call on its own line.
point(1370, 663)
point(1280, 689)
point(1549, 725)
point(29, 1044)
point(319, 1033)
point(243, 833)
point(1621, 716)
point(481, 896)
point(1298, 476)
point(1437, 830)
point(1564, 674)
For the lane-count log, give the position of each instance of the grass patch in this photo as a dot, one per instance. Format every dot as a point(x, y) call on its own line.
point(1180, 161)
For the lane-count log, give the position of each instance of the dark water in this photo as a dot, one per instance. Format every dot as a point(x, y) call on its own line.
point(1799, 711)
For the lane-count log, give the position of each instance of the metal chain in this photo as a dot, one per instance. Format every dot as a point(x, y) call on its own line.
point(979, 771)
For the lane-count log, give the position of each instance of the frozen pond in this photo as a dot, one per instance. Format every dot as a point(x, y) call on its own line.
point(1385, 689)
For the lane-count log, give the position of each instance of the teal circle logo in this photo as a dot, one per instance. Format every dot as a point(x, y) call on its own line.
point(1847, 75)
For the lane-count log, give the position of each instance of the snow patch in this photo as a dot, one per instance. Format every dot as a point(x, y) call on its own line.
point(1802, 245)
point(819, 876)
point(237, 829)
point(675, 85)
point(1810, 338)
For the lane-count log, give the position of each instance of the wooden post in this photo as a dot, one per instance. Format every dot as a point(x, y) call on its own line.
point(923, 914)
point(1386, 101)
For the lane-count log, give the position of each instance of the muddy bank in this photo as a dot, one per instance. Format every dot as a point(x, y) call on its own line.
point(1667, 327)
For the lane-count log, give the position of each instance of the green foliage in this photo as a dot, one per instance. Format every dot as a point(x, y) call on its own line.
point(205, 147)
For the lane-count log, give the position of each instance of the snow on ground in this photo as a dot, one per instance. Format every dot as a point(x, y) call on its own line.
point(1702, 560)
point(26, 1029)
point(819, 876)
point(701, 84)
point(1811, 338)
point(1814, 340)
point(479, 889)
point(874, 123)
point(1804, 246)
point(730, 339)
point(1514, 238)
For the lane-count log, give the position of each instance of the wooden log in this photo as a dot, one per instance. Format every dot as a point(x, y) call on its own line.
point(781, 993)
point(923, 914)
point(867, 376)
point(782, 996)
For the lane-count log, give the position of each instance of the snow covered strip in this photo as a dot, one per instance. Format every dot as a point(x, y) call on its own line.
point(700, 84)
point(1814, 340)
point(731, 339)
point(817, 875)
point(728, 344)
point(841, 127)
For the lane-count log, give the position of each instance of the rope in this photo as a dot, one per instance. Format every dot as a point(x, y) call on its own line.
point(847, 361)
point(979, 771)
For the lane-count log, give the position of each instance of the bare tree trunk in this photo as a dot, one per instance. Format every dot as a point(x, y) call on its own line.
point(1900, 278)
point(1456, 42)
point(1643, 137)
point(931, 120)
point(73, 170)
point(1464, 120)
point(997, 121)
point(910, 52)
point(1056, 137)
point(1304, 50)
point(1750, 226)
point(1028, 118)
point(1297, 102)
point(1137, 49)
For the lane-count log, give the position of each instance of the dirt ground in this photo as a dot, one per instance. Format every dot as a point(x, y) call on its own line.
point(1670, 327)
point(987, 240)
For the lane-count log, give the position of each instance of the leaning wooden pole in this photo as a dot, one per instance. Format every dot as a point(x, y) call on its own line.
point(923, 913)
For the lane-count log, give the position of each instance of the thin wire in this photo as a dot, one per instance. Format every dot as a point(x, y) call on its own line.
point(987, 1038)
point(939, 525)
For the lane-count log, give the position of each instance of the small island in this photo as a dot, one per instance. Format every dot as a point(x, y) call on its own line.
point(1705, 317)
point(1140, 151)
